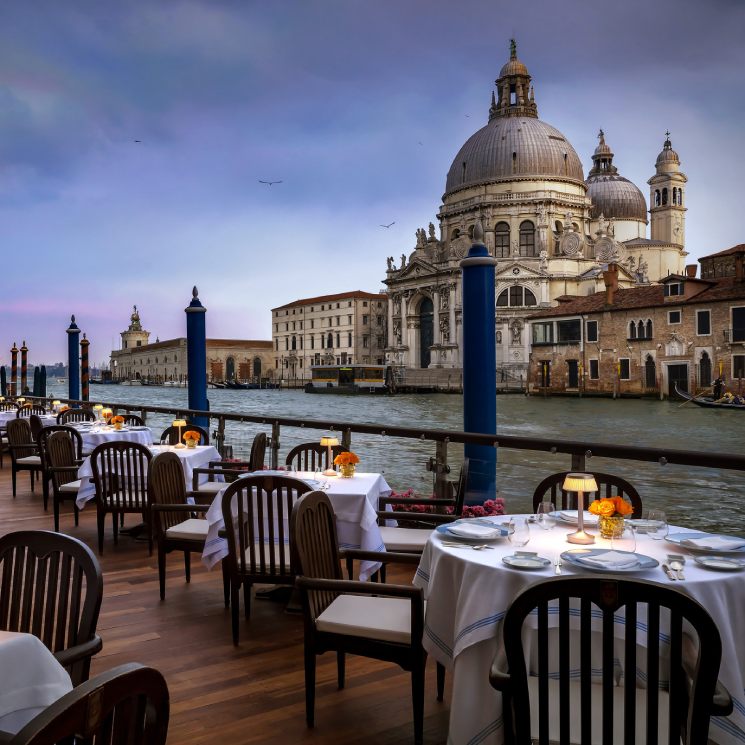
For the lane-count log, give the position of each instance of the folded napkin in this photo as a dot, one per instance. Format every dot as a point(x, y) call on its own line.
point(472, 530)
point(715, 542)
point(571, 516)
point(610, 560)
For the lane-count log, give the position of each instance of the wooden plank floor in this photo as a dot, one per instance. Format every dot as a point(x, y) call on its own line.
point(223, 694)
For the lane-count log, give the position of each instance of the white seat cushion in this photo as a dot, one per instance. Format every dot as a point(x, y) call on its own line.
point(71, 487)
point(405, 539)
point(257, 549)
point(211, 487)
point(29, 460)
point(595, 697)
point(387, 619)
point(192, 529)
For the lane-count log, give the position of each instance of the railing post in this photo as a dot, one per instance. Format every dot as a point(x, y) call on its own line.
point(442, 483)
point(275, 445)
point(220, 436)
point(346, 439)
point(578, 462)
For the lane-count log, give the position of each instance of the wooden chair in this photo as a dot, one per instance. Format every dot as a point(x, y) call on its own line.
point(120, 472)
point(75, 415)
point(256, 513)
point(171, 434)
point(61, 447)
point(384, 622)
point(51, 586)
point(175, 522)
point(127, 704)
point(28, 409)
point(576, 706)
point(549, 490)
point(41, 438)
point(36, 425)
point(24, 454)
point(7, 406)
point(311, 456)
point(133, 419)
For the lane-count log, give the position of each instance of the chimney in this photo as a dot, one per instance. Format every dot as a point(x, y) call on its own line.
point(610, 275)
point(738, 266)
point(691, 271)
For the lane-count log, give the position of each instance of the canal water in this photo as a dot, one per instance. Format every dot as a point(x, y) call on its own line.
point(695, 497)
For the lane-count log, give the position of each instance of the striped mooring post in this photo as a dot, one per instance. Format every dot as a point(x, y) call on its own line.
point(24, 368)
point(85, 393)
point(14, 371)
point(196, 354)
point(73, 362)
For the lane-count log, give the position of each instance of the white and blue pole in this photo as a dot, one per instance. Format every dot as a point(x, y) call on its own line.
point(196, 355)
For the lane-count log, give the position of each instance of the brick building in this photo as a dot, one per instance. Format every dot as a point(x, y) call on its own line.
point(644, 340)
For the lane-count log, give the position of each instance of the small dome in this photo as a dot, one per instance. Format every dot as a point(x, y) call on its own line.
point(667, 155)
point(513, 67)
point(615, 196)
point(603, 149)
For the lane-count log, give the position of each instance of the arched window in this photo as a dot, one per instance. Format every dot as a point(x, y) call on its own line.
point(455, 234)
point(516, 297)
point(649, 328)
point(680, 196)
point(502, 240)
point(664, 196)
point(656, 197)
point(527, 238)
point(632, 330)
point(640, 329)
point(650, 374)
point(294, 343)
point(330, 340)
point(704, 370)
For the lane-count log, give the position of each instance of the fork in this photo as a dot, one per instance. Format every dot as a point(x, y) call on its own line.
point(557, 565)
point(477, 547)
point(677, 567)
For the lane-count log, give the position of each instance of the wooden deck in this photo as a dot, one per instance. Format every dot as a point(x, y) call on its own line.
point(223, 694)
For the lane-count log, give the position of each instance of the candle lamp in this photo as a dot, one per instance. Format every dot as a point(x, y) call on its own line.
point(580, 483)
point(179, 423)
point(329, 441)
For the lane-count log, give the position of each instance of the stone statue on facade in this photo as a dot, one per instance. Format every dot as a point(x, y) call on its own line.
point(403, 260)
point(444, 298)
point(515, 248)
point(516, 329)
point(602, 225)
point(543, 260)
point(431, 232)
point(445, 329)
point(421, 237)
point(568, 221)
point(397, 332)
point(389, 261)
point(611, 228)
point(542, 215)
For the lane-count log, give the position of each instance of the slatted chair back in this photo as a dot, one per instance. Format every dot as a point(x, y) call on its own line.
point(171, 434)
point(256, 512)
point(7, 406)
point(36, 425)
point(311, 456)
point(166, 484)
point(61, 451)
point(258, 452)
point(28, 409)
point(655, 627)
point(75, 415)
point(609, 485)
point(20, 440)
point(314, 543)
point(127, 704)
point(42, 441)
point(120, 473)
point(133, 419)
point(51, 586)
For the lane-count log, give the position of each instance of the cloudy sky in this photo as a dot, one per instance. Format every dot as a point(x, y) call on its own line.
point(133, 137)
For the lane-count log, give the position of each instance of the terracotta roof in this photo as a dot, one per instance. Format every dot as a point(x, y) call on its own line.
point(645, 242)
point(211, 343)
point(361, 294)
point(649, 296)
point(739, 248)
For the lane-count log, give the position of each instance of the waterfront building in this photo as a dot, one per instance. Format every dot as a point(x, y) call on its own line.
point(643, 340)
point(343, 329)
point(166, 361)
point(550, 229)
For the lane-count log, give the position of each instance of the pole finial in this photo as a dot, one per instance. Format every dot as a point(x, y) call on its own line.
point(478, 232)
point(72, 318)
point(195, 292)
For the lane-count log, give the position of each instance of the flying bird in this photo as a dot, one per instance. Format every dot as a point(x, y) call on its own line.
point(389, 224)
point(422, 144)
point(137, 140)
point(269, 183)
point(468, 116)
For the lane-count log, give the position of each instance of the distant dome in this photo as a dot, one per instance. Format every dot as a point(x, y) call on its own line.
point(667, 155)
point(615, 196)
point(513, 67)
point(510, 148)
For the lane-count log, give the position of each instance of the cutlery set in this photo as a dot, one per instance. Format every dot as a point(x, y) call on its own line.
point(673, 567)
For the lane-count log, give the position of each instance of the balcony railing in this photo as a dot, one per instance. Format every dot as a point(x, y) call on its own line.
point(734, 335)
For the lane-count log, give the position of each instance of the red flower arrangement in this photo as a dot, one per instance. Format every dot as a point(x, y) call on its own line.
point(490, 507)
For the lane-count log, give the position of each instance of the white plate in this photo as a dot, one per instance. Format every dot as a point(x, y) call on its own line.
point(569, 517)
point(574, 557)
point(721, 563)
point(444, 532)
point(677, 540)
point(526, 562)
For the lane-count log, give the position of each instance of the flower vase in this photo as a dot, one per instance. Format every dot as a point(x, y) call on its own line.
point(346, 471)
point(117, 425)
point(611, 527)
point(191, 443)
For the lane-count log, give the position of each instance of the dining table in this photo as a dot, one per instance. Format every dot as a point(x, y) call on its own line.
point(32, 679)
point(6, 416)
point(468, 590)
point(355, 504)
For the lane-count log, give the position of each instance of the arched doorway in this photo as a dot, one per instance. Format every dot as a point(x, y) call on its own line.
point(650, 372)
point(257, 368)
point(230, 368)
point(426, 331)
point(704, 370)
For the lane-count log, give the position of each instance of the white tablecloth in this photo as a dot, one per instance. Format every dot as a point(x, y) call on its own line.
point(97, 435)
point(468, 593)
point(32, 679)
point(191, 458)
point(6, 416)
point(355, 501)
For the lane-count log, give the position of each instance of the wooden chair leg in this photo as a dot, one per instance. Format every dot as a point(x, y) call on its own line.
point(235, 600)
point(101, 517)
point(77, 513)
point(114, 517)
point(13, 476)
point(247, 598)
point(31, 475)
point(440, 681)
point(45, 490)
point(350, 568)
point(340, 669)
point(162, 570)
point(417, 696)
point(55, 507)
point(310, 685)
point(225, 582)
point(187, 565)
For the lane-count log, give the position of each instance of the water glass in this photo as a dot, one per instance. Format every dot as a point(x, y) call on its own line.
point(625, 541)
point(519, 531)
point(657, 524)
point(545, 515)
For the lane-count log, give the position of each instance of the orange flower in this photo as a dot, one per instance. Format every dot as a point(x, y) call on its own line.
point(346, 459)
point(118, 419)
point(610, 507)
point(622, 506)
point(192, 435)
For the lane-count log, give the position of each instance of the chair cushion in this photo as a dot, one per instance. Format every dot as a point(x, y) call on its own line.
point(211, 487)
point(639, 738)
point(192, 529)
point(387, 619)
point(405, 539)
point(29, 460)
point(257, 549)
point(71, 487)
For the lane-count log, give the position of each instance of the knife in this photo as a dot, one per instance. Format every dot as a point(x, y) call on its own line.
point(669, 572)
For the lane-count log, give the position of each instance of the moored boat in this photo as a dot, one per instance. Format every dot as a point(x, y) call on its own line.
point(708, 401)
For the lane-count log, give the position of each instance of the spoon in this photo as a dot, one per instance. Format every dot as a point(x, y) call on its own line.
point(677, 567)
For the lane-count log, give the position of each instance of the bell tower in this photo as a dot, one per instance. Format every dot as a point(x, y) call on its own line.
point(135, 335)
point(666, 197)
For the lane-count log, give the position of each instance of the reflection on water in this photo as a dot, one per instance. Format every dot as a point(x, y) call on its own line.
point(710, 498)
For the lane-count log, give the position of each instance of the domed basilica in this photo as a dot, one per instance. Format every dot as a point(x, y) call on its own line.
point(552, 231)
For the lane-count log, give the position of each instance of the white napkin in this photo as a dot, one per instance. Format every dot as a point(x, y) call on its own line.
point(610, 560)
point(572, 516)
point(472, 530)
point(715, 542)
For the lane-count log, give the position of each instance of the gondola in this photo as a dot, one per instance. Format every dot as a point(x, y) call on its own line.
point(707, 401)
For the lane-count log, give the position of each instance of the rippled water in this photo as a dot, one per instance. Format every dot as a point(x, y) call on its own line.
point(711, 498)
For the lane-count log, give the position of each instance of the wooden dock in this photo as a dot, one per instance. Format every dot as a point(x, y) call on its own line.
point(221, 694)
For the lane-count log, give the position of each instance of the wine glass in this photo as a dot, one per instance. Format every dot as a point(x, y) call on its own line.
point(519, 531)
point(545, 515)
point(658, 526)
point(625, 540)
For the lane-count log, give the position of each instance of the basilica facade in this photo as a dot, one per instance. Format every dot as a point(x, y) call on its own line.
point(551, 230)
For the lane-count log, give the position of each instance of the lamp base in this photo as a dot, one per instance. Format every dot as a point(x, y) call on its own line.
point(179, 445)
point(330, 472)
point(580, 537)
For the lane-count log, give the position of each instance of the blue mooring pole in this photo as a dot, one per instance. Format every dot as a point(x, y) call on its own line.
point(73, 361)
point(479, 367)
point(196, 353)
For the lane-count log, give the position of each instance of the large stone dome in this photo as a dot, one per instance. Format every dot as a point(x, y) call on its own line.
point(509, 148)
point(615, 196)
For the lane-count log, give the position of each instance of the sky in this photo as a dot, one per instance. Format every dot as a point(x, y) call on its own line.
point(133, 138)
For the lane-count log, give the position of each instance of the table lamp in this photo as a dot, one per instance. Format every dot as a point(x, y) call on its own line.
point(179, 423)
point(106, 414)
point(21, 400)
point(56, 404)
point(329, 441)
point(98, 411)
point(581, 483)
